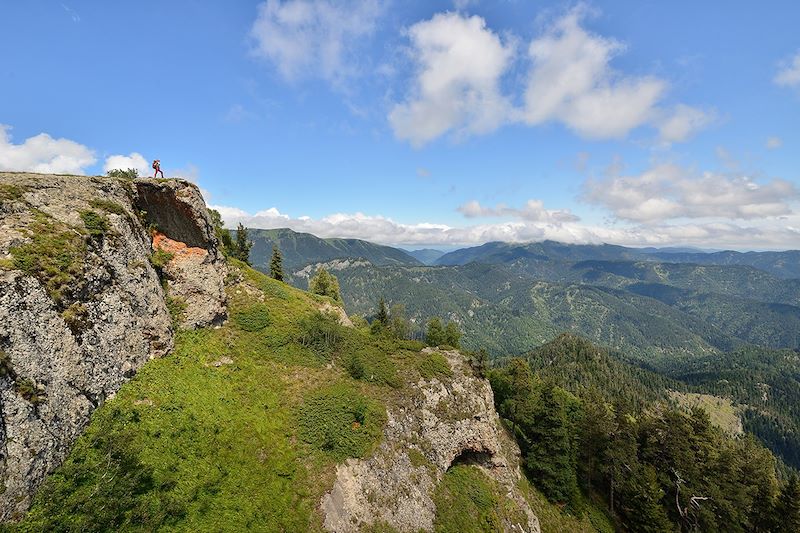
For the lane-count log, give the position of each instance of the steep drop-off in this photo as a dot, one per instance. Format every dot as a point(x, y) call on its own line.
point(82, 306)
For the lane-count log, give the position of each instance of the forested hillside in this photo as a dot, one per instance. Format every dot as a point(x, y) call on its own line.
point(594, 428)
point(300, 249)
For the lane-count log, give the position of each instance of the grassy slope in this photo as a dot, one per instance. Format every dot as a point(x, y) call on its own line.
point(221, 435)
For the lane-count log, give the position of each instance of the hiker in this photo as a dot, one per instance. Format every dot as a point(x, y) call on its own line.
point(157, 167)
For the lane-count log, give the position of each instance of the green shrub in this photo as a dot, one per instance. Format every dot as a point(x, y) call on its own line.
point(159, 259)
point(129, 174)
point(28, 390)
point(96, 224)
point(370, 363)
point(466, 501)
point(321, 333)
point(252, 318)
point(77, 317)
point(108, 206)
point(10, 193)
point(341, 421)
point(54, 256)
point(177, 309)
point(434, 365)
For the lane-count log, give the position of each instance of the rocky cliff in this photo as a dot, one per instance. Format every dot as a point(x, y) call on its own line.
point(441, 422)
point(93, 273)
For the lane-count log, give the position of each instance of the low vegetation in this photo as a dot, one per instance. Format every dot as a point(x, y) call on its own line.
point(341, 421)
point(54, 255)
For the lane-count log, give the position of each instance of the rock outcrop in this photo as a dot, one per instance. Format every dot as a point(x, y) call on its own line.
point(82, 308)
point(443, 422)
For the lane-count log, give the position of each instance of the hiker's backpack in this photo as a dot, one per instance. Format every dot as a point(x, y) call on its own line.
point(155, 163)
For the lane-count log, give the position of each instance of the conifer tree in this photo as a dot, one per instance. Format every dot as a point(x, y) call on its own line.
point(325, 284)
point(243, 244)
point(382, 315)
point(788, 508)
point(452, 335)
point(434, 334)
point(276, 264)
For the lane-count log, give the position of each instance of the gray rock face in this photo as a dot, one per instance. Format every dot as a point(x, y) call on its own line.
point(440, 423)
point(197, 270)
point(82, 308)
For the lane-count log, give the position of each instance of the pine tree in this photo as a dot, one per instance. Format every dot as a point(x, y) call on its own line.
point(434, 335)
point(452, 335)
point(243, 244)
point(383, 314)
point(788, 508)
point(276, 264)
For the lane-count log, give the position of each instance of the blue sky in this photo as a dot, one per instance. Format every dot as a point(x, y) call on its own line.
point(427, 123)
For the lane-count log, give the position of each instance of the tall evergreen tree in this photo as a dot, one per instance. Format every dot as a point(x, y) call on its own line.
point(452, 335)
point(243, 244)
point(788, 508)
point(434, 334)
point(276, 264)
point(382, 316)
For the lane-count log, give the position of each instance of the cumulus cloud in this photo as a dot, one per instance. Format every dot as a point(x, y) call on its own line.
point(789, 73)
point(683, 122)
point(669, 191)
point(42, 153)
point(533, 211)
point(457, 87)
point(459, 90)
point(761, 234)
point(134, 160)
point(572, 82)
point(773, 143)
point(313, 37)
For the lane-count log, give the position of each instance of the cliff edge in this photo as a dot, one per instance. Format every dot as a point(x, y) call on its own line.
point(87, 266)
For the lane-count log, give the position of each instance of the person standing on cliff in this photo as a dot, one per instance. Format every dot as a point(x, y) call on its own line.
point(157, 167)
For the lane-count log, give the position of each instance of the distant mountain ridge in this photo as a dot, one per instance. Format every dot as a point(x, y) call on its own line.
point(301, 249)
point(427, 256)
point(784, 264)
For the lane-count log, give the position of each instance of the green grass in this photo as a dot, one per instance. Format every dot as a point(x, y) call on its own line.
point(54, 255)
point(96, 224)
point(467, 501)
point(11, 193)
point(434, 365)
point(252, 318)
point(108, 206)
point(252, 445)
point(160, 258)
point(341, 421)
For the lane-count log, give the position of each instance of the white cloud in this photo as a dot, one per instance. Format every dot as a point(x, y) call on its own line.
point(123, 162)
point(572, 82)
point(773, 143)
point(683, 123)
point(42, 153)
point(670, 192)
point(789, 74)
point(533, 211)
point(314, 38)
point(776, 234)
point(457, 87)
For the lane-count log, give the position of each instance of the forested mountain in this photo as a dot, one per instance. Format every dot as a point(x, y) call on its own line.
point(785, 264)
point(300, 249)
point(426, 256)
